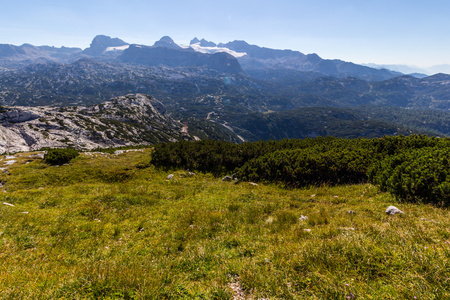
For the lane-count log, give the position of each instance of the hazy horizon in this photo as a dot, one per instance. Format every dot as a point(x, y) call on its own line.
point(380, 32)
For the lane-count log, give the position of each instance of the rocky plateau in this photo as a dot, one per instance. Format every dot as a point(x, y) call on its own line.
point(122, 121)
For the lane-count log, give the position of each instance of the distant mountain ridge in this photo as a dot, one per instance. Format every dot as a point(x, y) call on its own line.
point(250, 58)
point(87, 81)
point(419, 72)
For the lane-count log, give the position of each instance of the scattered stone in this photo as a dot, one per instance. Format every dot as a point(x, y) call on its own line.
point(191, 173)
point(170, 176)
point(303, 218)
point(335, 196)
point(392, 210)
point(307, 230)
point(8, 204)
point(40, 155)
point(269, 220)
point(313, 195)
point(347, 228)
point(24, 212)
point(10, 162)
point(238, 291)
point(117, 152)
point(227, 178)
point(97, 220)
point(252, 183)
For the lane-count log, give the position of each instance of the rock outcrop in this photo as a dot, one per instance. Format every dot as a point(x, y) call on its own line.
point(126, 120)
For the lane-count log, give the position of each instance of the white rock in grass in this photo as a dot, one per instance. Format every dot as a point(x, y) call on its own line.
point(170, 176)
point(392, 210)
point(8, 204)
point(303, 218)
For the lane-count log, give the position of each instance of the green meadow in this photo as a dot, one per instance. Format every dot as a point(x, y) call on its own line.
point(111, 226)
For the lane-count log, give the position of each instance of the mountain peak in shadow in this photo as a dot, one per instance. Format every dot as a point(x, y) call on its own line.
point(101, 42)
point(166, 42)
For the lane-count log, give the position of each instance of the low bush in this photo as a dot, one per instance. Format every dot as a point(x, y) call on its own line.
point(413, 168)
point(60, 156)
point(304, 167)
point(421, 175)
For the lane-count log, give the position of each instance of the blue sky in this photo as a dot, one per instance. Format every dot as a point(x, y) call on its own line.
point(362, 31)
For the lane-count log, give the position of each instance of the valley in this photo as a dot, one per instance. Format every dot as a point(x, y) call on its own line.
point(246, 93)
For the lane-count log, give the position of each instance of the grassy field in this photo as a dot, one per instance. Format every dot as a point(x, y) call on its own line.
point(113, 227)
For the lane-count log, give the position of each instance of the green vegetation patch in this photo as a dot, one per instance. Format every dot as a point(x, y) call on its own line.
point(421, 175)
point(414, 168)
point(74, 234)
point(60, 156)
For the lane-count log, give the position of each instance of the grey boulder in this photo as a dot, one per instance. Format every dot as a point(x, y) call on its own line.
point(392, 210)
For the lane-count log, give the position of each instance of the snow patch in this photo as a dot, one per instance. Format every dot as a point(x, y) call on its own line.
point(212, 50)
point(120, 48)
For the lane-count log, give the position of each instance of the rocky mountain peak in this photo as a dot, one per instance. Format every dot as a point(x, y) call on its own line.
point(194, 41)
point(167, 42)
point(101, 42)
point(202, 42)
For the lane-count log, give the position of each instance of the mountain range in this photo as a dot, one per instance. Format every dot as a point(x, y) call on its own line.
point(198, 53)
point(233, 91)
point(414, 70)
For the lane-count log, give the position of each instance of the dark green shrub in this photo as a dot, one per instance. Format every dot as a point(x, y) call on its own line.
point(421, 175)
point(60, 156)
point(224, 157)
point(303, 167)
point(312, 161)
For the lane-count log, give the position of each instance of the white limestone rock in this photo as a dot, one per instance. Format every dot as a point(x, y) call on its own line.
point(392, 210)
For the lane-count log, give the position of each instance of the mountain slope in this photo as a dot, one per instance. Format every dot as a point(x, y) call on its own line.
point(316, 121)
point(173, 57)
point(126, 120)
point(272, 59)
point(15, 56)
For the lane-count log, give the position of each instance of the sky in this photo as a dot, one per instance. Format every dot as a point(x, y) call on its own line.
point(361, 31)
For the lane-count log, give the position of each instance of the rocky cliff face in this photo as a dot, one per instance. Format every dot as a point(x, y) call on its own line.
point(125, 120)
point(100, 43)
